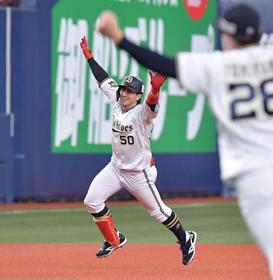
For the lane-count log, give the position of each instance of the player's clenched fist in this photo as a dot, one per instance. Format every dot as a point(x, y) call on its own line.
point(107, 24)
point(85, 48)
point(157, 80)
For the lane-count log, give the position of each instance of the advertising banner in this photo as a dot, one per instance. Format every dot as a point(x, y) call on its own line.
point(81, 114)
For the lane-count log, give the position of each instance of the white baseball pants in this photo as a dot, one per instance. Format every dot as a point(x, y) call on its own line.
point(141, 184)
point(255, 195)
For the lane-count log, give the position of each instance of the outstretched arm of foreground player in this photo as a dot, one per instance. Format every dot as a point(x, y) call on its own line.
point(96, 69)
point(149, 59)
point(108, 26)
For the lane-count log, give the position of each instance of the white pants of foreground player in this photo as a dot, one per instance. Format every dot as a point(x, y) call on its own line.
point(141, 184)
point(255, 195)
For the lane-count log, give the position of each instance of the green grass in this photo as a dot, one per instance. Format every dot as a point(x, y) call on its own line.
point(214, 222)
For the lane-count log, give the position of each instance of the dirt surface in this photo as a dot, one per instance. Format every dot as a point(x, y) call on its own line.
point(133, 262)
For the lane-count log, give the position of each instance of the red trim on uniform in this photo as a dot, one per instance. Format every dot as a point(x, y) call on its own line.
point(152, 162)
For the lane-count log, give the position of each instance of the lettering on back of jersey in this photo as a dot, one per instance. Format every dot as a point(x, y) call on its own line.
point(251, 69)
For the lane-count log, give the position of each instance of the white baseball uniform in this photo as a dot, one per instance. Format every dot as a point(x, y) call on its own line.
point(130, 163)
point(239, 87)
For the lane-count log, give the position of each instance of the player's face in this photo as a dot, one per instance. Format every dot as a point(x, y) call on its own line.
point(128, 98)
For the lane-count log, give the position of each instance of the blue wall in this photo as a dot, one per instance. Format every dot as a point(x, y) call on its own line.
point(36, 171)
point(2, 59)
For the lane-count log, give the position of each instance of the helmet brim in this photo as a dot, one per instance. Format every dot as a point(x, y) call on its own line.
point(128, 87)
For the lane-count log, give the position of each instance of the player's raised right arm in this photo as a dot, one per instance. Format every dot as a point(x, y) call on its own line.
point(99, 73)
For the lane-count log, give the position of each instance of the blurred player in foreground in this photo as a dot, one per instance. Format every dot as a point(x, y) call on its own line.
point(239, 85)
point(131, 166)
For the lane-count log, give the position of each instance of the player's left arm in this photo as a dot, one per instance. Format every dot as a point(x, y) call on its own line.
point(157, 80)
point(150, 107)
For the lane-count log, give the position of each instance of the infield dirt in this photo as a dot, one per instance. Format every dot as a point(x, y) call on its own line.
point(133, 262)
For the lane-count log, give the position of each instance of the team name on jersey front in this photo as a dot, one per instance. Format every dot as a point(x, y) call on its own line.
point(119, 126)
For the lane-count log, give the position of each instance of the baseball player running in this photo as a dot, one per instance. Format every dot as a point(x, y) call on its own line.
point(239, 85)
point(130, 165)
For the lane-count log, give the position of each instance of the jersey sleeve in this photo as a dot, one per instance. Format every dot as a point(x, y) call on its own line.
point(193, 71)
point(109, 88)
point(147, 114)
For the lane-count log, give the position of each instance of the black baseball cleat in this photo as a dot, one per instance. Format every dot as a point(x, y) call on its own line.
point(188, 248)
point(107, 249)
